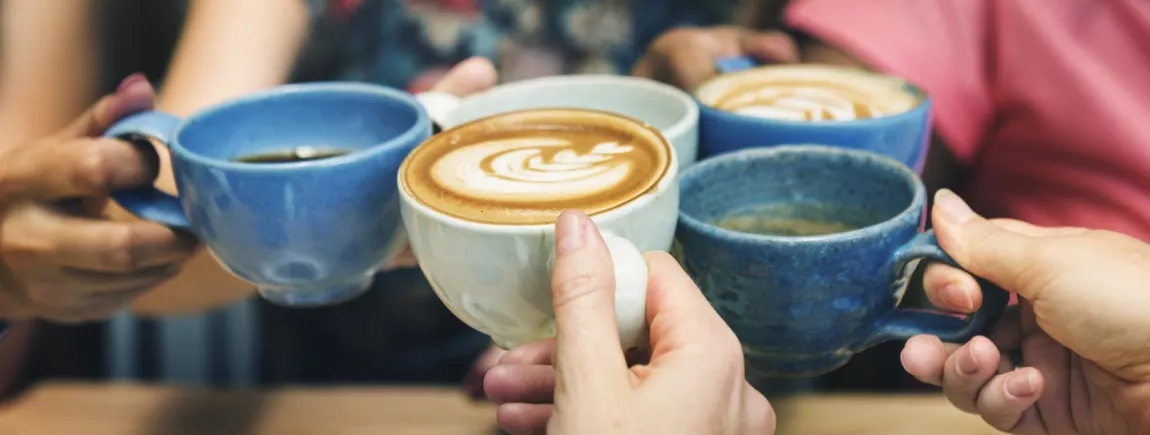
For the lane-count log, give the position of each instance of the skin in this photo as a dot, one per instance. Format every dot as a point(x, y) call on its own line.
point(594, 390)
point(35, 53)
point(1080, 333)
point(60, 257)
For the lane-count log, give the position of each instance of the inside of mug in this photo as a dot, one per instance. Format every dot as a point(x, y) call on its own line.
point(796, 191)
point(298, 122)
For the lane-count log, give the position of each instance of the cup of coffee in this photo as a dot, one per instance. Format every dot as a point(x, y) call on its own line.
point(805, 252)
point(754, 106)
point(292, 189)
point(668, 109)
point(480, 201)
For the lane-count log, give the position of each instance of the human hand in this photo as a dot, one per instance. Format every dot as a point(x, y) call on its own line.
point(685, 57)
point(1080, 337)
point(60, 257)
point(579, 382)
point(465, 78)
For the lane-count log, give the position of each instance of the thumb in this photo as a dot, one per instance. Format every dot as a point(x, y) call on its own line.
point(133, 95)
point(583, 293)
point(985, 248)
point(468, 77)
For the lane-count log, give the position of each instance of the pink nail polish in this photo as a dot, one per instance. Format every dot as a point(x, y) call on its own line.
point(130, 81)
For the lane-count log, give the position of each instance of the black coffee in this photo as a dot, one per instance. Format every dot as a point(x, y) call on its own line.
point(297, 155)
point(798, 219)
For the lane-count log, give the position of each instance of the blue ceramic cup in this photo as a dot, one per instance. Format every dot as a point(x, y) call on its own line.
point(903, 134)
point(805, 252)
point(304, 232)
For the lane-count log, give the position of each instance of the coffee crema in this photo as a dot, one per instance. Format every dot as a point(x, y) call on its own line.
point(809, 93)
point(526, 167)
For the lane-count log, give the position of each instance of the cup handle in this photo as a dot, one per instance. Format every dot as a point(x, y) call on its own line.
point(630, 291)
point(148, 202)
point(735, 64)
point(905, 323)
point(439, 106)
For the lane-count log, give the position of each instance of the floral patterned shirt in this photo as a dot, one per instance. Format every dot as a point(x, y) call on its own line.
point(408, 44)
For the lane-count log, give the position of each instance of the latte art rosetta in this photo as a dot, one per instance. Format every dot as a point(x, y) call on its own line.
point(809, 93)
point(805, 102)
point(526, 167)
point(530, 169)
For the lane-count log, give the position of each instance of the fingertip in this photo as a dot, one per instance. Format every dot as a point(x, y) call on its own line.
point(469, 76)
point(134, 94)
point(1024, 383)
point(951, 289)
point(523, 418)
point(979, 355)
point(924, 357)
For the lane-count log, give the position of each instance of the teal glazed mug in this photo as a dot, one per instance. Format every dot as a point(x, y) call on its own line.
point(805, 252)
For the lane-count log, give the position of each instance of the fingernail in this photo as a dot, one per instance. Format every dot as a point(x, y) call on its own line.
point(1022, 386)
point(568, 232)
point(130, 81)
point(955, 295)
point(953, 208)
point(967, 363)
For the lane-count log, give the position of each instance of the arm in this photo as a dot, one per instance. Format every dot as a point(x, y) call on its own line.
point(228, 48)
point(48, 66)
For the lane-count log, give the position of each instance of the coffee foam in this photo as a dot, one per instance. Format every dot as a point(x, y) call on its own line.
point(526, 167)
point(809, 93)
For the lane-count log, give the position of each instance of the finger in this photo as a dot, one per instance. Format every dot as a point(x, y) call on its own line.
point(520, 384)
point(968, 370)
point(1009, 397)
point(98, 308)
point(468, 77)
point(583, 293)
point(951, 289)
point(985, 249)
point(74, 168)
point(1007, 331)
point(134, 94)
point(924, 357)
point(680, 316)
point(99, 283)
point(524, 418)
point(540, 352)
point(38, 235)
point(645, 67)
point(772, 46)
point(690, 67)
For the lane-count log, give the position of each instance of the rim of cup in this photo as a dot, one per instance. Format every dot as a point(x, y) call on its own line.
point(706, 166)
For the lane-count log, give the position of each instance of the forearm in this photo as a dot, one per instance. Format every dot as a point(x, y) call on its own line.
point(48, 69)
point(228, 48)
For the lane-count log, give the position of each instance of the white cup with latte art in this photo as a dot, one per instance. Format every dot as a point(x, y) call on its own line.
point(668, 109)
point(479, 203)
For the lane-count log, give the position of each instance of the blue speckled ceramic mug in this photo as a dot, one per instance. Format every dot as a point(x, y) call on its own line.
point(733, 111)
point(805, 251)
point(304, 230)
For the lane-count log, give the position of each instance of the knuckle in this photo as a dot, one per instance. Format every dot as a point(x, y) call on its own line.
point(91, 168)
point(578, 286)
point(675, 36)
point(118, 254)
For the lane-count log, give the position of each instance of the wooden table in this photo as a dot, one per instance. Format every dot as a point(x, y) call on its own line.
point(126, 409)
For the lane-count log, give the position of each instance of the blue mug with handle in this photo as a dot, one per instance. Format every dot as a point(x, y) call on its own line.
point(292, 189)
point(900, 130)
point(805, 251)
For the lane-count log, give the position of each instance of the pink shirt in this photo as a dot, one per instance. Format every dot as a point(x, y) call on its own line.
point(1046, 101)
